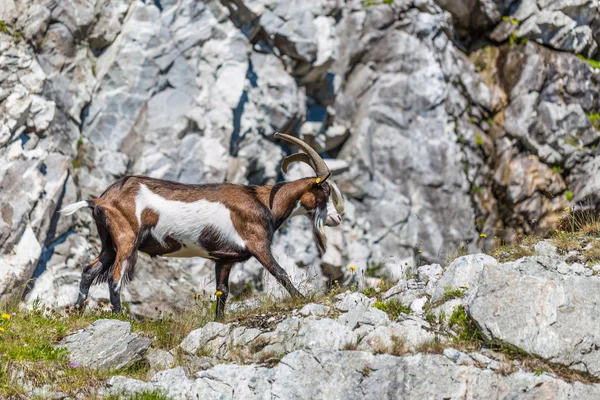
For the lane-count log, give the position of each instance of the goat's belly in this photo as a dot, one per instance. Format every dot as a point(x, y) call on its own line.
point(190, 251)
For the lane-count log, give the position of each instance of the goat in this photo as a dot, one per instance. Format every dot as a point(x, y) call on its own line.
point(223, 222)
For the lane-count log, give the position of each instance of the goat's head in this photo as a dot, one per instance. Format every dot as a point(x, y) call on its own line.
point(323, 202)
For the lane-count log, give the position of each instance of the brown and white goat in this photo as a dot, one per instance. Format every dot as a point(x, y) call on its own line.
point(224, 222)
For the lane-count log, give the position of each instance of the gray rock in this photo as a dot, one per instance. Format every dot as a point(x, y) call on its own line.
point(540, 311)
point(545, 249)
point(316, 310)
point(458, 357)
point(159, 359)
point(464, 272)
point(105, 344)
point(352, 300)
point(398, 337)
point(212, 339)
point(357, 375)
point(358, 317)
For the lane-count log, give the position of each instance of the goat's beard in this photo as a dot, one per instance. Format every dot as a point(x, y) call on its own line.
point(319, 218)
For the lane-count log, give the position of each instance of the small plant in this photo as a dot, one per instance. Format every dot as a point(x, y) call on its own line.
point(393, 308)
point(592, 63)
point(466, 329)
point(442, 317)
point(478, 140)
point(569, 195)
point(594, 119)
point(513, 39)
point(351, 346)
point(365, 371)
point(398, 346)
point(450, 293)
point(566, 241)
point(433, 347)
point(430, 316)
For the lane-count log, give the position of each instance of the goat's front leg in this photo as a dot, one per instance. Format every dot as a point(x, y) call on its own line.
point(222, 271)
point(90, 273)
point(268, 261)
point(125, 261)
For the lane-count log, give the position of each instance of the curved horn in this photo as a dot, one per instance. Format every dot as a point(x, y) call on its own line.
point(319, 165)
point(337, 198)
point(302, 157)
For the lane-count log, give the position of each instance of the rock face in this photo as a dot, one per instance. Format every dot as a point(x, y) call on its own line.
point(106, 344)
point(535, 307)
point(440, 119)
point(357, 375)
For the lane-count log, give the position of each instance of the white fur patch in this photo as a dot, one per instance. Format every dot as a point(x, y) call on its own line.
point(184, 222)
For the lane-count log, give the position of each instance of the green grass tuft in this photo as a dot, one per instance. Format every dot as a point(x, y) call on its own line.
point(594, 119)
point(393, 308)
point(569, 195)
point(592, 63)
point(466, 329)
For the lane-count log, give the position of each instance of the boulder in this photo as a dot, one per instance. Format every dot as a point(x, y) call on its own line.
point(106, 344)
point(540, 311)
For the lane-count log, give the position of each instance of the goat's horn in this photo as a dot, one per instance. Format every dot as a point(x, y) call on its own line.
point(302, 157)
point(318, 164)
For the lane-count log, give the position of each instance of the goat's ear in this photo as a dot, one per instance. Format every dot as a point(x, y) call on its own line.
point(319, 180)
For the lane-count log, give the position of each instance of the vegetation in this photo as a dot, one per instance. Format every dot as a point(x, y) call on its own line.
point(393, 308)
point(466, 329)
point(592, 63)
point(594, 119)
point(450, 293)
point(28, 339)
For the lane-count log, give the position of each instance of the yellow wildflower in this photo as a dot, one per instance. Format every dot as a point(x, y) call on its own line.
point(5, 316)
point(420, 251)
point(1, 329)
point(483, 235)
point(567, 209)
point(219, 293)
point(352, 268)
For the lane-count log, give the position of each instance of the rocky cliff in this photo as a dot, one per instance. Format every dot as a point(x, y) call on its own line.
point(441, 119)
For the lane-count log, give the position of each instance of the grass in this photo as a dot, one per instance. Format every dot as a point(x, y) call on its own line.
point(450, 293)
point(271, 310)
point(511, 252)
point(466, 330)
point(393, 308)
point(566, 242)
point(594, 119)
point(28, 339)
point(592, 63)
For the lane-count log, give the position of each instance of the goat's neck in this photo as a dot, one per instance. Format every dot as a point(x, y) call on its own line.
point(282, 199)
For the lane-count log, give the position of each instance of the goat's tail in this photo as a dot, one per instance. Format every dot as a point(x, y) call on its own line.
point(73, 208)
